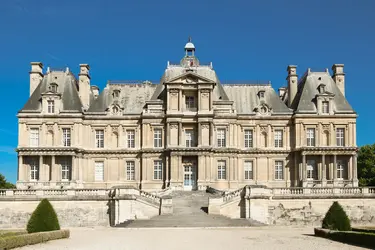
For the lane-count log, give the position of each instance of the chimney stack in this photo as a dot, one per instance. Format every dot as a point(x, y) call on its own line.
point(339, 76)
point(84, 85)
point(36, 75)
point(292, 83)
point(281, 91)
point(95, 91)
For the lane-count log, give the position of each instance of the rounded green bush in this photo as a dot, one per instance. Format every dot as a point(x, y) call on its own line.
point(43, 219)
point(336, 219)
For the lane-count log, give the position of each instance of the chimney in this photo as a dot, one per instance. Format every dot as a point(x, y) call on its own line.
point(281, 91)
point(36, 75)
point(292, 83)
point(339, 76)
point(95, 91)
point(84, 85)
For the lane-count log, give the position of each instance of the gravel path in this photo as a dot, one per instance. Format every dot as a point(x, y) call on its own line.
point(262, 238)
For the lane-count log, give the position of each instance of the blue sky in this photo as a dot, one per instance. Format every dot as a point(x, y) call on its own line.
point(245, 40)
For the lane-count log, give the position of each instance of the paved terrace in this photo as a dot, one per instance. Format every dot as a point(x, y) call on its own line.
point(262, 238)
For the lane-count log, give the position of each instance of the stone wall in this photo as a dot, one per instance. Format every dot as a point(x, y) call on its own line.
point(73, 213)
point(295, 206)
point(312, 211)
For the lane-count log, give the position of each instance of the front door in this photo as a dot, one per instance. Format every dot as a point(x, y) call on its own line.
point(190, 171)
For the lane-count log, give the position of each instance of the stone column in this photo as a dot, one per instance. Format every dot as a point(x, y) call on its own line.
point(53, 168)
point(21, 169)
point(167, 169)
point(180, 134)
point(324, 171)
point(212, 144)
point(199, 135)
point(334, 168)
point(73, 168)
point(354, 169)
point(304, 169)
point(41, 173)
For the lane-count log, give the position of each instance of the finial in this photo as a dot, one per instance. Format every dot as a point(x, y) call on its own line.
point(189, 39)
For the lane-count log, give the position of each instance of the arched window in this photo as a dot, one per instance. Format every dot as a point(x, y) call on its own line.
point(53, 87)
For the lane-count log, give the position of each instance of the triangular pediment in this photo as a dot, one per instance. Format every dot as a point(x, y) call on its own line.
point(190, 78)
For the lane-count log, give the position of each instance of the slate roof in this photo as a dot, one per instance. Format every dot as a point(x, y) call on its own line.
point(246, 98)
point(305, 99)
point(67, 87)
point(132, 97)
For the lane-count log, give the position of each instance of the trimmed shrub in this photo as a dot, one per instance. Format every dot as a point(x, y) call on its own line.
point(336, 218)
point(43, 219)
point(21, 240)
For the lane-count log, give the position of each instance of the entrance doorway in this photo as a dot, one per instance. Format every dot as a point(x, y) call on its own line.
point(190, 174)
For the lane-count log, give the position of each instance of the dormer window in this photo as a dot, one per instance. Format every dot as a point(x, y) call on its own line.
point(53, 87)
point(51, 106)
point(325, 107)
point(115, 110)
point(116, 93)
point(261, 94)
point(322, 88)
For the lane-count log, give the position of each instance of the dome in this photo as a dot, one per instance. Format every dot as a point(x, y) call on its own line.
point(189, 46)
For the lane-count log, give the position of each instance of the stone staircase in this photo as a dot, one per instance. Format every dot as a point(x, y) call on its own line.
point(189, 210)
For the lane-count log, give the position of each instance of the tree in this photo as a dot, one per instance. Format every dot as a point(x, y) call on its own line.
point(336, 218)
point(43, 218)
point(4, 184)
point(366, 165)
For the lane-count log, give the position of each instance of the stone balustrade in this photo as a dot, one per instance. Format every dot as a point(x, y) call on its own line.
point(47, 193)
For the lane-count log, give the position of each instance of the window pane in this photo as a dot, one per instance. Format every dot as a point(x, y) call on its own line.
point(66, 137)
point(99, 136)
point(248, 138)
point(279, 175)
point(248, 166)
point(131, 138)
point(158, 166)
point(310, 136)
point(130, 170)
point(278, 138)
point(221, 170)
point(221, 138)
point(157, 138)
point(34, 137)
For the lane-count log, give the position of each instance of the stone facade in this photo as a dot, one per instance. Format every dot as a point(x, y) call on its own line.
point(295, 206)
point(188, 131)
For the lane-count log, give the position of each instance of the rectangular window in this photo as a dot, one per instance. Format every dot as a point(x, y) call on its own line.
point(66, 137)
point(99, 137)
point(189, 102)
point(99, 171)
point(325, 107)
point(130, 170)
point(278, 138)
point(130, 138)
point(248, 138)
point(248, 166)
point(34, 170)
point(34, 137)
point(189, 138)
point(65, 170)
point(157, 138)
point(158, 170)
point(310, 136)
point(340, 137)
point(311, 169)
point(221, 170)
point(221, 138)
point(51, 106)
point(279, 170)
point(340, 169)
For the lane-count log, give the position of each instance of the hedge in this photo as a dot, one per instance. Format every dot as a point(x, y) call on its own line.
point(349, 237)
point(14, 241)
point(336, 218)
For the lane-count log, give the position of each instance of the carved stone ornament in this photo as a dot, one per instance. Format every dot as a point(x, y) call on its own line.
point(50, 128)
point(325, 127)
point(263, 109)
point(205, 95)
point(174, 92)
point(205, 126)
point(173, 126)
point(263, 129)
point(190, 79)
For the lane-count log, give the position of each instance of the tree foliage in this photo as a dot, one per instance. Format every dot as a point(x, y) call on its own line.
point(43, 219)
point(366, 165)
point(336, 219)
point(4, 184)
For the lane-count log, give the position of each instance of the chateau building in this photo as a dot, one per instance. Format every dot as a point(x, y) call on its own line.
point(187, 132)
